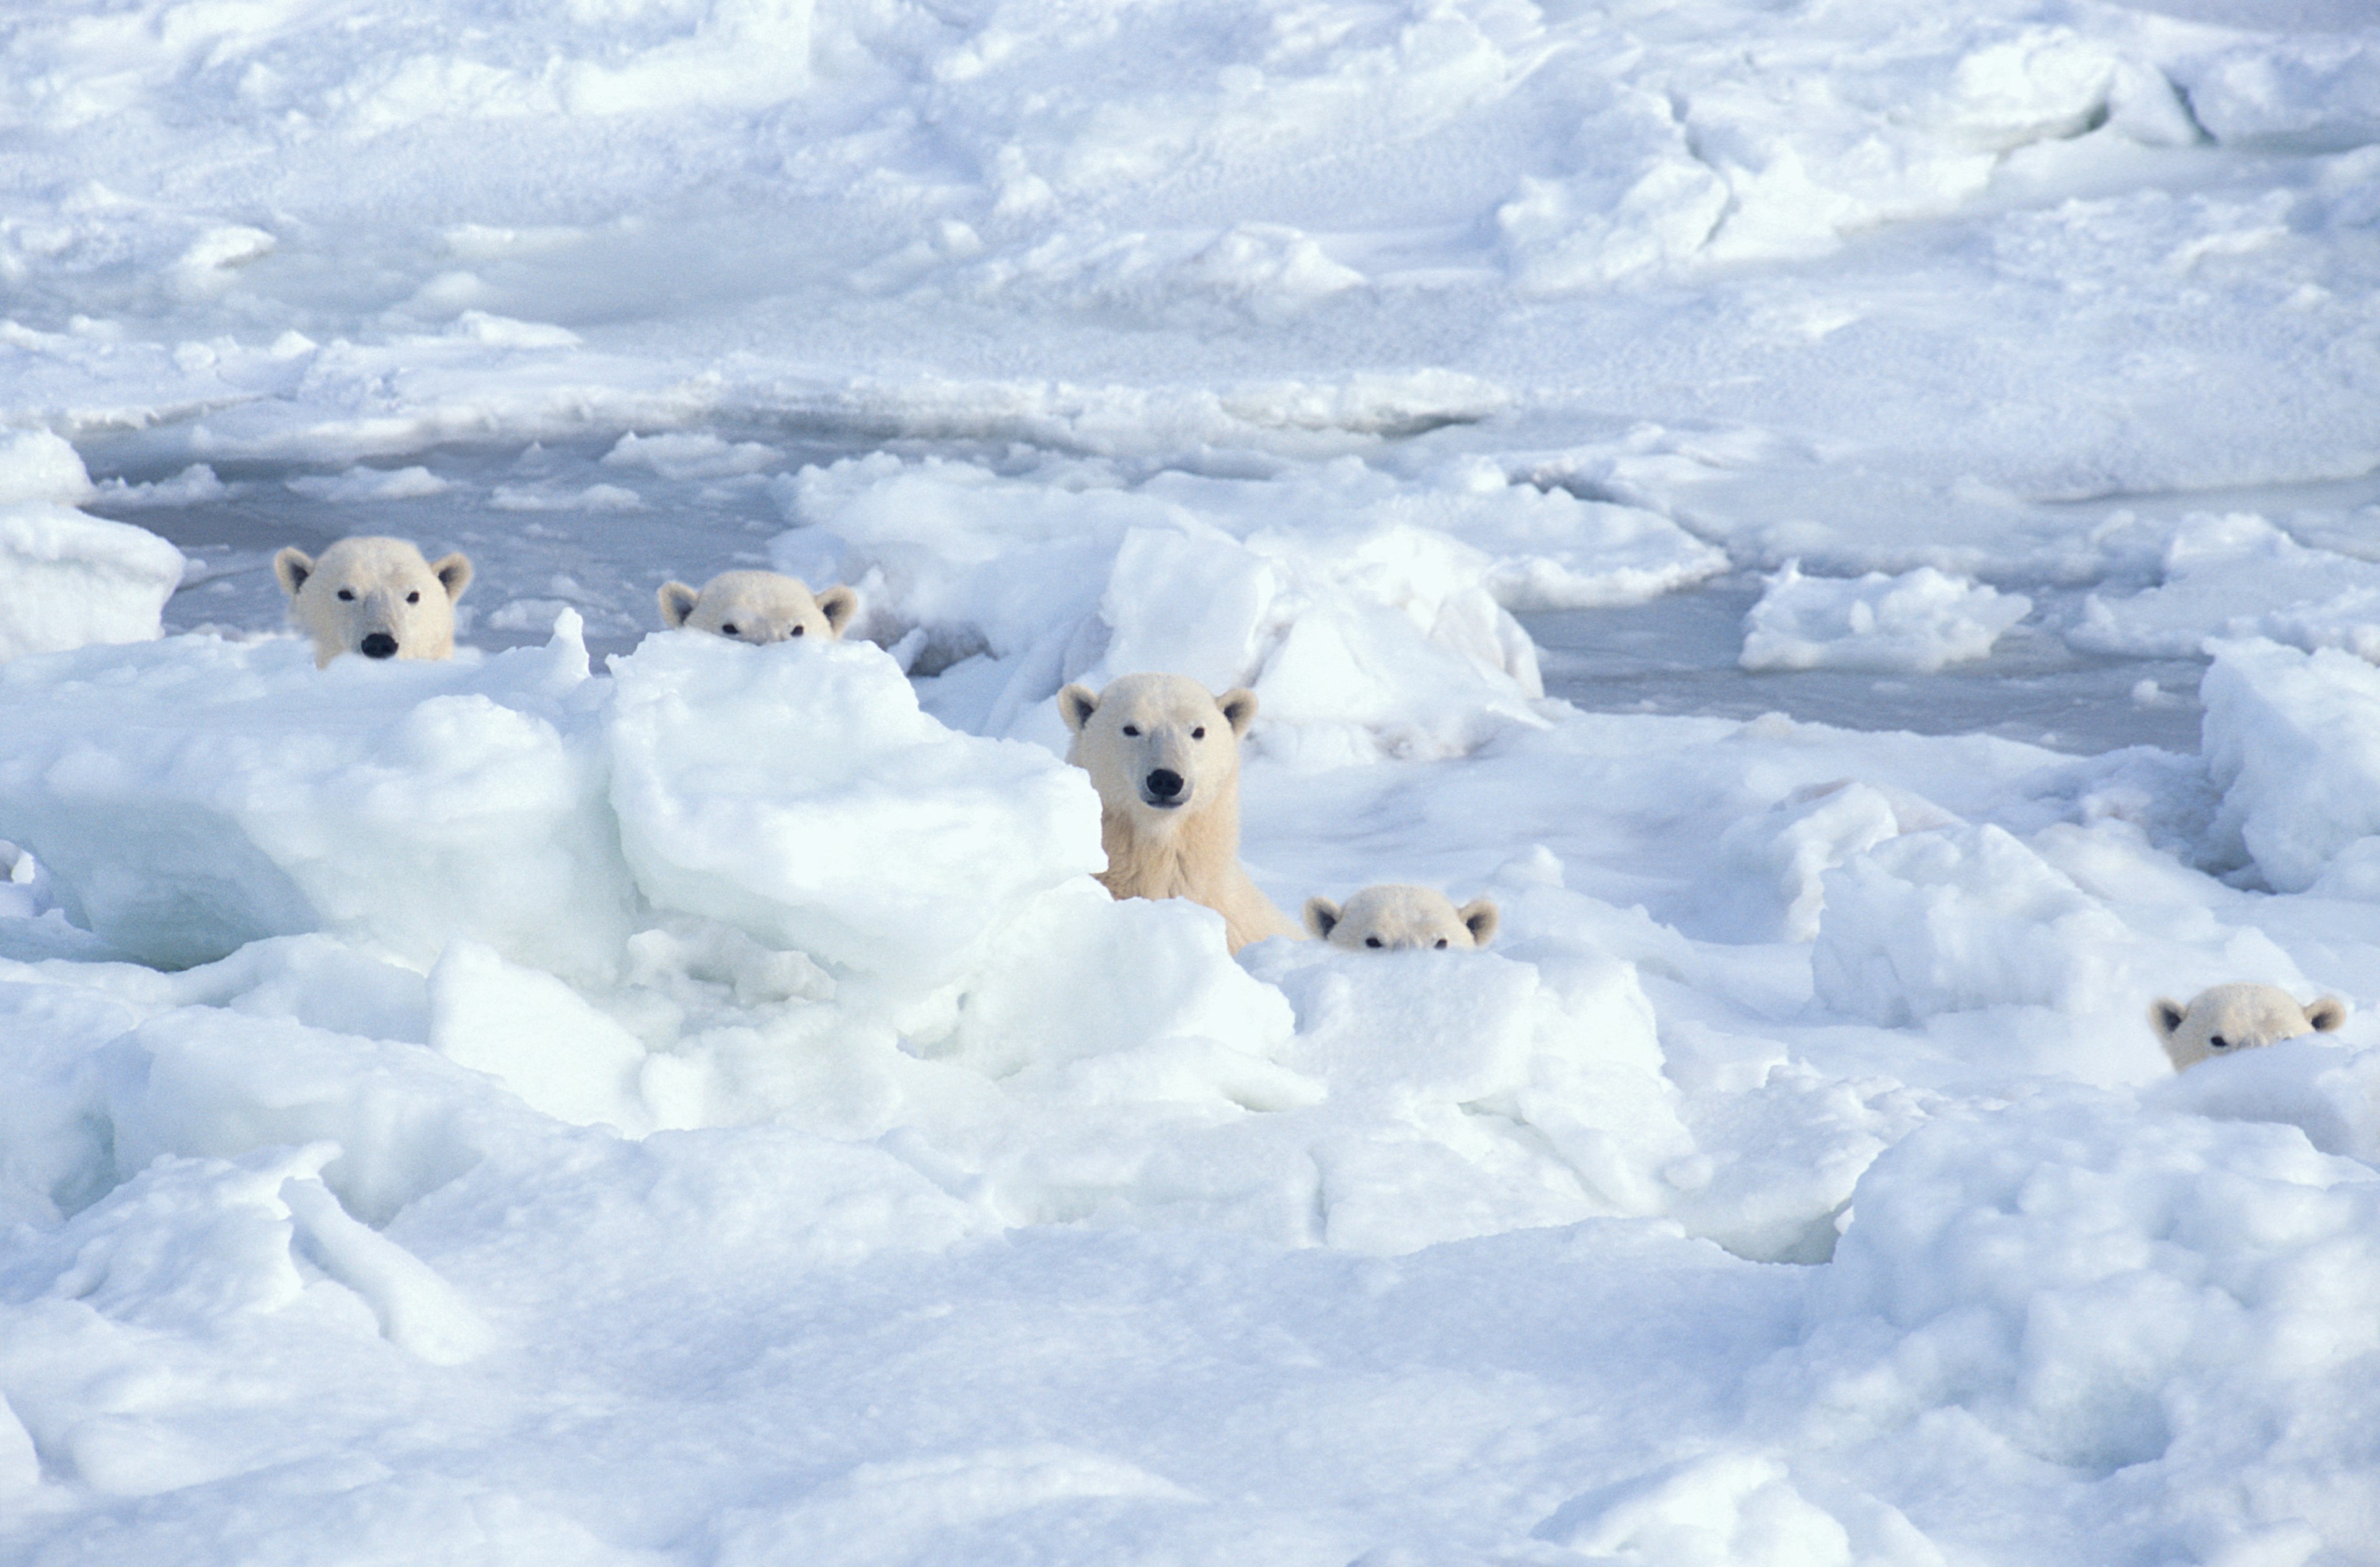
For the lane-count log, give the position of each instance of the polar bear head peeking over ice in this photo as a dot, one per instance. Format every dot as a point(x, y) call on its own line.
point(2226, 1019)
point(1165, 758)
point(1398, 917)
point(376, 596)
point(758, 606)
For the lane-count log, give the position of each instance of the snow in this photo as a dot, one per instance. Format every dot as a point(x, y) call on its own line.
point(1851, 524)
point(2288, 745)
point(66, 577)
point(1919, 620)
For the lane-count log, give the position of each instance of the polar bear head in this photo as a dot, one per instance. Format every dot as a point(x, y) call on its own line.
point(376, 596)
point(1159, 747)
point(1401, 917)
point(758, 606)
point(2226, 1019)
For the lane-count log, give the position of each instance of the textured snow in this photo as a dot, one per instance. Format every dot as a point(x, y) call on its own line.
point(66, 577)
point(1918, 621)
point(633, 1097)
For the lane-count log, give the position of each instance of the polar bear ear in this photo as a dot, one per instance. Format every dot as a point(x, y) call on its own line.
point(1322, 917)
point(1075, 705)
point(2166, 1017)
point(293, 567)
point(2327, 1014)
point(839, 605)
point(453, 573)
point(1239, 705)
point(677, 602)
point(1480, 917)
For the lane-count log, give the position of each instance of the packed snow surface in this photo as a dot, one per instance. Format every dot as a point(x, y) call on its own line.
point(1853, 524)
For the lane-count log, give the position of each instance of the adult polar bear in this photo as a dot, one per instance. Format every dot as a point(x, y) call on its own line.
point(373, 596)
point(1165, 758)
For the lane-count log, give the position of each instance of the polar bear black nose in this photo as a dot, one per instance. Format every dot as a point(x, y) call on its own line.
point(379, 645)
point(1164, 783)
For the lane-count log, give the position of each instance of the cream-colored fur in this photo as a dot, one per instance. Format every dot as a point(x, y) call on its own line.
point(373, 596)
point(758, 606)
point(1165, 758)
point(1400, 916)
point(2226, 1019)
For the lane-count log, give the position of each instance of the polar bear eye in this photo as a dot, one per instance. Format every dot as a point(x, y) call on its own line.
point(1441, 941)
point(1199, 732)
point(1371, 941)
point(414, 597)
point(1133, 730)
point(2219, 1042)
point(799, 630)
point(348, 593)
point(728, 629)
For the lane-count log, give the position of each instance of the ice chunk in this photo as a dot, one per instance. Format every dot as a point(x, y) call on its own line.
point(67, 578)
point(536, 1036)
point(417, 1309)
point(1811, 832)
point(1968, 919)
point(2330, 1094)
point(183, 1244)
point(1365, 633)
point(2238, 575)
point(191, 796)
point(2104, 1287)
point(361, 485)
point(1465, 1090)
point(1734, 1507)
point(2293, 741)
point(1915, 623)
point(799, 794)
point(203, 1081)
point(1076, 974)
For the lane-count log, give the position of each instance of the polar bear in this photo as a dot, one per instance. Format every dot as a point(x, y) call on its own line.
point(1401, 916)
point(2226, 1019)
point(373, 596)
point(758, 606)
point(1165, 758)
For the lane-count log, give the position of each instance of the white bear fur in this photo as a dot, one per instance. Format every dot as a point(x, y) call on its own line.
point(373, 596)
point(1143, 730)
point(758, 606)
point(1395, 916)
point(2226, 1019)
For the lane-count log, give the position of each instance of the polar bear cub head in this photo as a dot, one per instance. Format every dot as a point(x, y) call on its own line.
point(1398, 917)
point(1159, 749)
point(372, 596)
point(2226, 1019)
point(758, 606)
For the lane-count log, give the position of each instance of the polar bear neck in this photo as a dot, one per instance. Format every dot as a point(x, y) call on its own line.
point(1195, 860)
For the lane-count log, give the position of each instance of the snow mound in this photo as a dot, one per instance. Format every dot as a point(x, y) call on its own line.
point(1915, 624)
point(190, 796)
point(67, 578)
point(804, 798)
point(1371, 629)
point(2111, 1290)
point(2080, 923)
point(2238, 575)
point(2292, 740)
point(1467, 1093)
